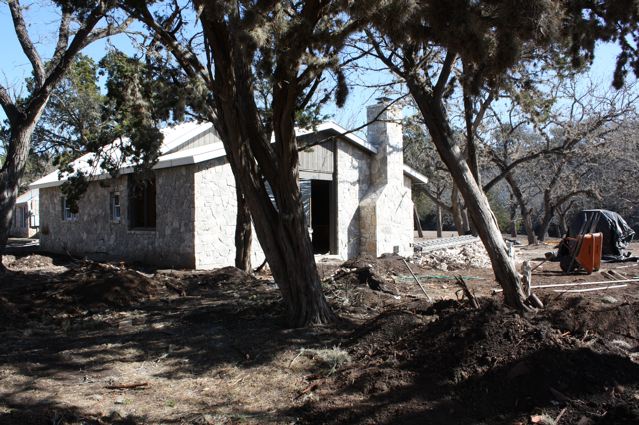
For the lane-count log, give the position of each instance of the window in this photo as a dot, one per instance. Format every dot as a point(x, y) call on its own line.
point(142, 209)
point(115, 207)
point(67, 215)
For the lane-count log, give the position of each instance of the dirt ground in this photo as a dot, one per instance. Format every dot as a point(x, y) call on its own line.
point(96, 343)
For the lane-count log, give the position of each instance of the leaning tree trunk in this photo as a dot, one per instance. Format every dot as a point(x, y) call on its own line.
point(482, 216)
point(279, 226)
point(243, 233)
point(10, 176)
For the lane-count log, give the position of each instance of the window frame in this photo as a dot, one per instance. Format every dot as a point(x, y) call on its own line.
point(67, 215)
point(113, 207)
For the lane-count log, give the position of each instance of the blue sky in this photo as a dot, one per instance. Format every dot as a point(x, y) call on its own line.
point(14, 66)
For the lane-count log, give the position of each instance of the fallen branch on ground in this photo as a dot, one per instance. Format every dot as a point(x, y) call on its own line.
point(471, 297)
point(127, 386)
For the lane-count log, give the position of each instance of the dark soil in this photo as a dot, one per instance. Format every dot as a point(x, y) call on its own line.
point(213, 348)
point(457, 365)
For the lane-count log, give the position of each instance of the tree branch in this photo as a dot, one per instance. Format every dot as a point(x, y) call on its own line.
point(63, 36)
point(8, 106)
point(25, 41)
point(447, 66)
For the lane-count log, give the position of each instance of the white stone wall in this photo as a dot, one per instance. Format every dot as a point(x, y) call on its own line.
point(215, 216)
point(353, 178)
point(170, 244)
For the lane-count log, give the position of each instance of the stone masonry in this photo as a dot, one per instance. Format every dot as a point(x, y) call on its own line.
point(196, 209)
point(94, 233)
point(387, 209)
point(215, 216)
point(353, 178)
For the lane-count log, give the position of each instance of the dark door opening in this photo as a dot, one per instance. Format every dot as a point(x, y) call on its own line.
point(321, 216)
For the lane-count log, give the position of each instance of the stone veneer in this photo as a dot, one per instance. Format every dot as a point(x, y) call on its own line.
point(387, 209)
point(353, 178)
point(196, 209)
point(215, 216)
point(170, 244)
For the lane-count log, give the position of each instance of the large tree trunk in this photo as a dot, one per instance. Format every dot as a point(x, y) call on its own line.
point(243, 233)
point(10, 176)
point(474, 199)
point(523, 208)
point(279, 227)
point(280, 230)
point(255, 161)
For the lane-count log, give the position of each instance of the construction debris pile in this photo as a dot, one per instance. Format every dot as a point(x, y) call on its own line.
point(29, 262)
point(471, 255)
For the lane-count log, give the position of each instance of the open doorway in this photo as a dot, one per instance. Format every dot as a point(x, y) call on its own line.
point(319, 210)
point(321, 215)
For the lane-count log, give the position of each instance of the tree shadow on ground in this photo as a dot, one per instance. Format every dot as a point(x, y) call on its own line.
point(48, 335)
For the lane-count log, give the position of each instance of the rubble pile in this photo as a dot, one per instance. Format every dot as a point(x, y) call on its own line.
point(460, 257)
point(28, 262)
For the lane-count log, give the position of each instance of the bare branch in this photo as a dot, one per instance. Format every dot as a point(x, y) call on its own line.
point(63, 36)
point(25, 41)
point(109, 30)
point(8, 106)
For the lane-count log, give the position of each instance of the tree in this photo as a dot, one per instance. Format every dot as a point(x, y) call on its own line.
point(425, 40)
point(566, 139)
point(78, 27)
point(291, 44)
point(423, 43)
point(73, 114)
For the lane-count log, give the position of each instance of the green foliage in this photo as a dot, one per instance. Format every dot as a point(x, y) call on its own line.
point(121, 126)
point(73, 116)
point(499, 208)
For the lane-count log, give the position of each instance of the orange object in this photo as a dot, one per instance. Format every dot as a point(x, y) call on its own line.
point(589, 256)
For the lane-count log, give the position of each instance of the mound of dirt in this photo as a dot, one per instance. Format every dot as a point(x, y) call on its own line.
point(226, 275)
point(495, 366)
point(581, 316)
point(105, 284)
point(387, 264)
point(364, 284)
